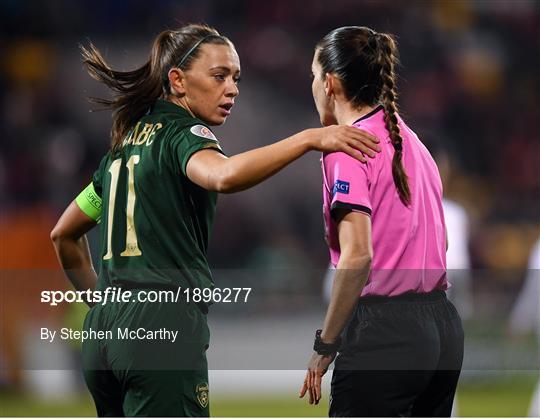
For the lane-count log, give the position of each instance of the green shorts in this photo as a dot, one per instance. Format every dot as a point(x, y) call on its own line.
point(135, 365)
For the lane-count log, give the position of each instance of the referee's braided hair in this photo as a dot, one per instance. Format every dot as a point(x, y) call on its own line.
point(135, 91)
point(365, 61)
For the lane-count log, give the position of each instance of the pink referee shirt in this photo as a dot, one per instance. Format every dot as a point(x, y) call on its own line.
point(409, 243)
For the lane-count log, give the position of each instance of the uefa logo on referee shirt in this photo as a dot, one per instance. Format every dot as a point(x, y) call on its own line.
point(341, 186)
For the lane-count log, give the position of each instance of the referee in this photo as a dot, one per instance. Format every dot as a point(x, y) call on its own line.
point(398, 340)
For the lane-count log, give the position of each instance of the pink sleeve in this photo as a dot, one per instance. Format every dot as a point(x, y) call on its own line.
point(347, 181)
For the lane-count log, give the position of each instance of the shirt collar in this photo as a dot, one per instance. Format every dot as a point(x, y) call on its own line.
point(164, 106)
point(368, 115)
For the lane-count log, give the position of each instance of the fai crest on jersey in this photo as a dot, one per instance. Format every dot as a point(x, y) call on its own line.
point(202, 131)
point(341, 187)
point(202, 394)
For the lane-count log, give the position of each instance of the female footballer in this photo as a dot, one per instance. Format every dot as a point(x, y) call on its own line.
point(400, 341)
point(154, 194)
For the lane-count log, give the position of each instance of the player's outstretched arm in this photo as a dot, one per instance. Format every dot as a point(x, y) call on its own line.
point(213, 171)
point(71, 246)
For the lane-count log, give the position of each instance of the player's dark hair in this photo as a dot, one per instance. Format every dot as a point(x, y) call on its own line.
point(364, 61)
point(135, 91)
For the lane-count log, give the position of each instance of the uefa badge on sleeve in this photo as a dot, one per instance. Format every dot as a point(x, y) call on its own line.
point(202, 131)
point(202, 394)
point(340, 186)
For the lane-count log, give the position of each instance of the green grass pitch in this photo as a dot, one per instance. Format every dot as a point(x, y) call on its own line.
point(509, 397)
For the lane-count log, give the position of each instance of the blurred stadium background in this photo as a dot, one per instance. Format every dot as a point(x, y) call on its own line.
point(469, 87)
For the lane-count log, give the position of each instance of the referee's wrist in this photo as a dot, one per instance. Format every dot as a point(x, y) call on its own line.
point(325, 348)
point(326, 339)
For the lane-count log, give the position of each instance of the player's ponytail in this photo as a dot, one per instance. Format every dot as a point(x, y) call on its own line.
point(135, 91)
point(364, 62)
point(388, 60)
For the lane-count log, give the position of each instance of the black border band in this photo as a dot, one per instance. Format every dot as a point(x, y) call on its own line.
point(346, 206)
point(368, 115)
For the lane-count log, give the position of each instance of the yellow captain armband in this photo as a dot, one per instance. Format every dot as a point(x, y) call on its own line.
point(90, 203)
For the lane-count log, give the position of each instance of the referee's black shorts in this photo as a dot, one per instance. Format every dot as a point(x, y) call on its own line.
point(400, 356)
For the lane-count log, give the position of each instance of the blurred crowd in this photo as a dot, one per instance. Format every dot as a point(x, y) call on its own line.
point(468, 85)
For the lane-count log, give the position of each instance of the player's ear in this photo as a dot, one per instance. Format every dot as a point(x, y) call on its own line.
point(329, 81)
point(333, 85)
point(177, 80)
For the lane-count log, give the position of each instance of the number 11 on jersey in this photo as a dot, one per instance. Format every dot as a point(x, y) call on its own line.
point(132, 246)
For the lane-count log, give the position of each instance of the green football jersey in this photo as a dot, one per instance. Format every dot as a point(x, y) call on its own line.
point(155, 222)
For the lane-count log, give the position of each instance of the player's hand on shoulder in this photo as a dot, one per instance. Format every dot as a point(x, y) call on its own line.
point(353, 141)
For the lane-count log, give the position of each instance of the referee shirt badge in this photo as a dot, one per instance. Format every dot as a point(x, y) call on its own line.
point(341, 187)
point(202, 394)
point(202, 131)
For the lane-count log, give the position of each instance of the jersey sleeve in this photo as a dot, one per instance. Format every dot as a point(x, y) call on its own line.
point(90, 199)
point(187, 141)
point(97, 178)
point(347, 180)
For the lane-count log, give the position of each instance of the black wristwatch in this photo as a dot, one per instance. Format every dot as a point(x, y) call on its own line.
point(325, 348)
